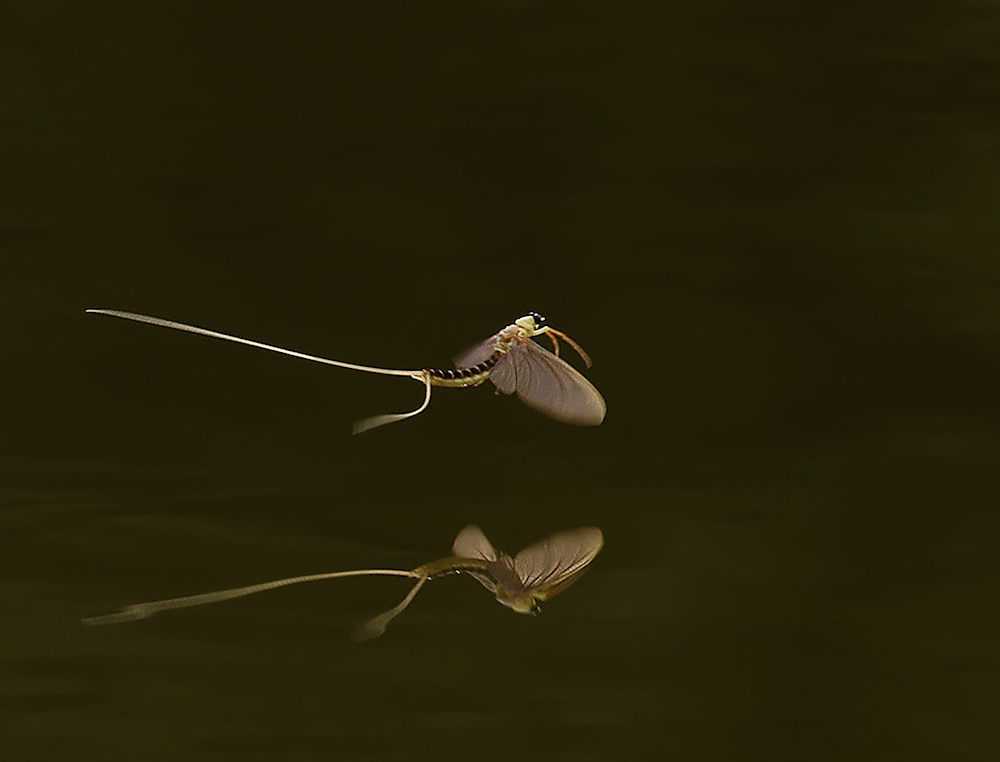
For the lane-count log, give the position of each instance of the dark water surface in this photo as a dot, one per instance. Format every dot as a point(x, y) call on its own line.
point(773, 226)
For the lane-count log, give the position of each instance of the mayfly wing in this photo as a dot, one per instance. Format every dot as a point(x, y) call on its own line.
point(551, 565)
point(472, 543)
point(481, 352)
point(549, 384)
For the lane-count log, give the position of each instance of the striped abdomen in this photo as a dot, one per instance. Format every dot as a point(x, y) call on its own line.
point(465, 376)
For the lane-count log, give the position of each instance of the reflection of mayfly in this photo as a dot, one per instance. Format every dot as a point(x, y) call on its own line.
point(509, 358)
point(534, 575)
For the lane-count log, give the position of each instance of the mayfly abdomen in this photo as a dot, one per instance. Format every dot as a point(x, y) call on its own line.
point(459, 377)
point(451, 565)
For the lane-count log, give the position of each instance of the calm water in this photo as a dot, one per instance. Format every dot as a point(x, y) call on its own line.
point(775, 231)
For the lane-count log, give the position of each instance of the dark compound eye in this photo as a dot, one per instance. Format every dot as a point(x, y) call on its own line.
point(538, 318)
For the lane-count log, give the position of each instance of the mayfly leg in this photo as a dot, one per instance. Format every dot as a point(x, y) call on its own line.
point(555, 342)
point(579, 350)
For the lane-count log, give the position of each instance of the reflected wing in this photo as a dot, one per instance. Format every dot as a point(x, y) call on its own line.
point(481, 352)
point(553, 564)
point(472, 543)
point(548, 384)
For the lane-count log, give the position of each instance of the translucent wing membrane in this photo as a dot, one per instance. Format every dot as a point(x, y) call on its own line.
point(472, 543)
point(472, 356)
point(553, 564)
point(549, 384)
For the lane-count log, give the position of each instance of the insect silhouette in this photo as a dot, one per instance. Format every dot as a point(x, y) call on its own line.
point(509, 358)
point(521, 582)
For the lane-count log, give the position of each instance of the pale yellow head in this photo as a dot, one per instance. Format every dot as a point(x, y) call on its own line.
point(532, 324)
point(522, 603)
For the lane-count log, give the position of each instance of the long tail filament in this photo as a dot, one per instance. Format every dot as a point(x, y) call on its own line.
point(145, 610)
point(382, 420)
point(376, 625)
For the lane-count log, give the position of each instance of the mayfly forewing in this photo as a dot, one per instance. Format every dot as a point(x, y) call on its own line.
point(472, 543)
point(549, 384)
point(474, 355)
point(556, 560)
point(504, 373)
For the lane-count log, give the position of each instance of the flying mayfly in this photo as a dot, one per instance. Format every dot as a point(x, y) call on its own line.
point(534, 575)
point(509, 358)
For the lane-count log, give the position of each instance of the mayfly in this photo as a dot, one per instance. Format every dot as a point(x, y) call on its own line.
point(522, 582)
point(509, 358)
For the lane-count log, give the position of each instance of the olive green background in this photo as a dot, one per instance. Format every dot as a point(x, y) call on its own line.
point(774, 226)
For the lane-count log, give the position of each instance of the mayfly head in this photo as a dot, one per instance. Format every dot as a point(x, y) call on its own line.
point(522, 603)
point(536, 573)
point(532, 323)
